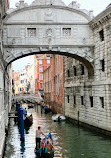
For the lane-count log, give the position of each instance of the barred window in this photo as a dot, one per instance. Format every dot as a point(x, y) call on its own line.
point(68, 73)
point(82, 69)
point(82, 100)
point(91, 101)
point(74, 100)
point(67, 98)
point(66, 32)
point(75, 71)
point(102, 101)
point(101, 34)
point(31, 32)
point(102, 65)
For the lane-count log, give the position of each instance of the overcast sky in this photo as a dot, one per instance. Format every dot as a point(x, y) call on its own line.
point(96, 5)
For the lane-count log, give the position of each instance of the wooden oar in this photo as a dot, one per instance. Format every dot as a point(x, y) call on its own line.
point(53, 146)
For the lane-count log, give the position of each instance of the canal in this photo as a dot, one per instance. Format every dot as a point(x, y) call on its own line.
point(71, 141)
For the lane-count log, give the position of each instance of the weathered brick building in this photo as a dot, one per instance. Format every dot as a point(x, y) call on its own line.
point(54, 83)
point(47, 86)
point(42, 61)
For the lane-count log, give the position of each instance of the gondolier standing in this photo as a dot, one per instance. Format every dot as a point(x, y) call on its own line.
point(38, 139)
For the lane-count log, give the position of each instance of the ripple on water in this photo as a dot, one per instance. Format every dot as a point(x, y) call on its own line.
point(71, 141)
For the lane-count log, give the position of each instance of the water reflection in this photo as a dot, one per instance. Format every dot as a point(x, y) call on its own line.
point(68, 139)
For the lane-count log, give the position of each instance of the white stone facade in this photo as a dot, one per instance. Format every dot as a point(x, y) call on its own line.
point(5, 84)
point(88, 101)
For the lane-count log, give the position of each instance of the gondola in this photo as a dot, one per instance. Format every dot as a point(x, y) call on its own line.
point(28, 121)
point(46, 148)
point(58, 118)
point(46, 109)
point(30, 106)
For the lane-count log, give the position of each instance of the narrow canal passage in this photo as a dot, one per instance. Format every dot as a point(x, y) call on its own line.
point(71, 141)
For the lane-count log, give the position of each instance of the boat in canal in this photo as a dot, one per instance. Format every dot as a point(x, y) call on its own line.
point(46, 148)
point(46, 109)
point(30, 106)
point(58, 118)
point(28, 121)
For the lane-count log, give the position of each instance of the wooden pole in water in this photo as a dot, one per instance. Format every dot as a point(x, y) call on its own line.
point(22, 125)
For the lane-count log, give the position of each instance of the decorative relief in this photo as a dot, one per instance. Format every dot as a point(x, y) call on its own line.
point(49, 32)
point(48, 15)
point(84, 40)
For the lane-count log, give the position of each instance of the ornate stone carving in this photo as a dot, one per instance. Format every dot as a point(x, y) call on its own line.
point(48, 15)
point(49, 35)
point(49, 32)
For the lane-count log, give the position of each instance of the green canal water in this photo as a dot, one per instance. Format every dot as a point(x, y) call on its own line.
point(71, 141)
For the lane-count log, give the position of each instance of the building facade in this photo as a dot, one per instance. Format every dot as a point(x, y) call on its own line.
point(5, 82)
point(47, 86)
point(41, 63)
point(31, 75)
point(88, 100)
point(54, 84)
point(16, 82)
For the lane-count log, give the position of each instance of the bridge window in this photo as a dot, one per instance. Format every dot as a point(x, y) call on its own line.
point(102, 101)
point(82, 100)
point(68, 73)
point(102, 65)
point(31, 32)
point(66, 32)
point(82, 69)
point(91, 101)
point(67, 98)
point(101, 34)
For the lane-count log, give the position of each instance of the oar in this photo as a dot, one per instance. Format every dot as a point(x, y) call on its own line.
point(53, 146)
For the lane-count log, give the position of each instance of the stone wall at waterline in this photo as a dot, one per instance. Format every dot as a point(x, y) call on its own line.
point(88, 100)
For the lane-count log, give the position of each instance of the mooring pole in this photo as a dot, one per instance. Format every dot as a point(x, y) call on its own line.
point(22, 125)
point(18, 112)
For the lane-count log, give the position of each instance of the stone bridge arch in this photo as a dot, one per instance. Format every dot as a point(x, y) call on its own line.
point(48, 27)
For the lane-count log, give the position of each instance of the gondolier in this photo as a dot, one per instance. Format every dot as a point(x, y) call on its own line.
point(38, 139)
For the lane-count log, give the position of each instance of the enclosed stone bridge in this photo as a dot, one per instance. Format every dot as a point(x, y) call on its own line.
point(27, 97)
point(48, 27)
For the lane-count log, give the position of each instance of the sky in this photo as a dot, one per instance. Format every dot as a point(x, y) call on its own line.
point(96, 5)
point(20, 63)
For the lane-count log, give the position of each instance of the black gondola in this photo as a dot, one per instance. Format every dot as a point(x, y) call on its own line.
point(46, 109)
point(45, 155)
point(46, 149)
point(28, 121)
point(30, 106)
